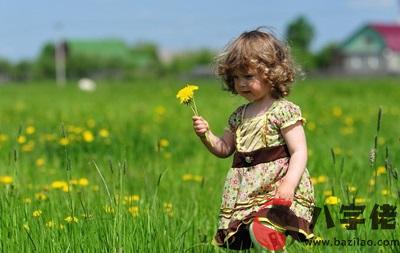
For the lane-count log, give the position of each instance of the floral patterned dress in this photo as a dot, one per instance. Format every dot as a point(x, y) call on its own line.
point(246, 189)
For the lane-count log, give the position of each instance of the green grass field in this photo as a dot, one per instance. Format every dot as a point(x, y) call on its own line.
point(121, 170)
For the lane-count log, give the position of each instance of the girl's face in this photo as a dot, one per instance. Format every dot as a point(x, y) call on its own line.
point(250, 85)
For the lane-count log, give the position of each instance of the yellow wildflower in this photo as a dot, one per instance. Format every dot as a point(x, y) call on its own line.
point(348, 121)
point(64, 141)
point(134, 210)
point(3, 138)
point(50, 224)
point(40, 162)
point(59, 184)
point(198, 178)
point(351, 188)
point(322, 179)
point(314, 180)
point(37, 213)
point(104, 133)
point(168, 208)
point(83, 182)
point(385, 192)
point(87, 136)
point(131, 198)
point(27, 200)
point(41, 196)
point(311, 126)
point(337, 111)
point(71, 219)
point(108, 209)
point(187, 177)
point(163, 143)
point(359, 200)
point(30, 130)
point(21, 139)
point(332, 200)
point(6, 180)
point(185, 95)
point(381, 170)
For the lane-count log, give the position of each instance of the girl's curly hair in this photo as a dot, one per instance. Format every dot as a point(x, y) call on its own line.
point(260, 51)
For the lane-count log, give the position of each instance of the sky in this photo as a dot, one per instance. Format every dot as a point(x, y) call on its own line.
point(174, 25)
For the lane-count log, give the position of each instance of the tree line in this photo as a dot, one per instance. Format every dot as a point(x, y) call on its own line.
point(299, 35)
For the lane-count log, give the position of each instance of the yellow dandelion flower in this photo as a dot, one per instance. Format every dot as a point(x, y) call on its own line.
point(337, 151)
point(168, 208)
point(21, 139)
point(83, 182)
point(50, 224)
point(371, 182)
point(322, 179)
point(160, 110)
point(103, 133)
point(40, 162)
point(6, 180)
point(351, 188)
point(198, 178)
point(28, 147)
point(27, 200)
point(87, 136)
point(131, 198)
point(30, 130)
point(37, 213)
point(163, 143)
point(187, 177)
point(40, 196)
point(332, 200)
point(185, 95)
point(108, 209)
point(71, 219)
point(311, 126)
point(314, 180)
point(348, 121)
point(134, 210)
point(385, 192)
point(380, 170)
point(59, 184)
point(66, 188)
point(3, 138)
point(64, 141)
point(337, 111)
point(359, 200)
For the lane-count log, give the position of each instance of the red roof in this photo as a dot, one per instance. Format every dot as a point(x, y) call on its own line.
point(390, 34)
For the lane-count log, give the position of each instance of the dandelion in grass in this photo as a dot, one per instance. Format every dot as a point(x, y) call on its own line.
point(108, 209)
point(332, 200)
point(168, 209)
point(7, 180)
point(380, 170)
point(21, 139)
point(40, 162)
point(186, 96)
point(30, 130)
point(27, 200)
point(71, 219)
point(41, 196)
point(134, 211)
point(103, 133)
point(83, 182)
point(63, 141)
point(50, 224)
point(88, 136)
point(359, 200)
point(37, 213)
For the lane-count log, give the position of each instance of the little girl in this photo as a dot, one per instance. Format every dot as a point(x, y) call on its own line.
point(267, 139)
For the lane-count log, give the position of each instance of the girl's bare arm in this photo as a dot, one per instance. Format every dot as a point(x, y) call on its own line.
point(222, 146)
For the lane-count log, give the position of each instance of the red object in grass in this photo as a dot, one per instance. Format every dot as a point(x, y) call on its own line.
point(265, 236)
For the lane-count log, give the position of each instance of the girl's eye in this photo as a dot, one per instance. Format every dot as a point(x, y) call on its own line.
point(248, 77)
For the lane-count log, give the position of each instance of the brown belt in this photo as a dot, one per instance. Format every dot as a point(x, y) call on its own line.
point(262, 155)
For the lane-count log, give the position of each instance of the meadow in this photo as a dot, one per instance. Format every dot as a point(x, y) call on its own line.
point(121, 170)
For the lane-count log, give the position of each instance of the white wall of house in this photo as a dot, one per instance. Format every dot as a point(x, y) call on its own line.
point(392, 60)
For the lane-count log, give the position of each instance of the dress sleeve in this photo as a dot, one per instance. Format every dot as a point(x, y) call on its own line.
point(235, 119)
point(287, 114)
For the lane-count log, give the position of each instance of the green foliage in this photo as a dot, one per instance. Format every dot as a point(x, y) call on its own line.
point(187, 61)
point(326, 56)
point(300, 33)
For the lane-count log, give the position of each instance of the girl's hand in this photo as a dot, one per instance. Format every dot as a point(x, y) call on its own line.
point(200, 126)
point(285, 191)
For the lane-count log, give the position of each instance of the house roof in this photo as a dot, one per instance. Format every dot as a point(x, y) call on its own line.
point(390, 33)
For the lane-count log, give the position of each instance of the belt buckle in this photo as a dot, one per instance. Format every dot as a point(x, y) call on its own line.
point(248, 159)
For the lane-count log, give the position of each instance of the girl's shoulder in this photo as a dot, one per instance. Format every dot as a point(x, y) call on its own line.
point(285, 113)
point(236, 116)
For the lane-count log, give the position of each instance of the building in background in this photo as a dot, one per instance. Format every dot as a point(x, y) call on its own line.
point(373, 49)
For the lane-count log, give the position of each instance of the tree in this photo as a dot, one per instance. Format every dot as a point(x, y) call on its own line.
point(326, 55)
point(299, 35)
